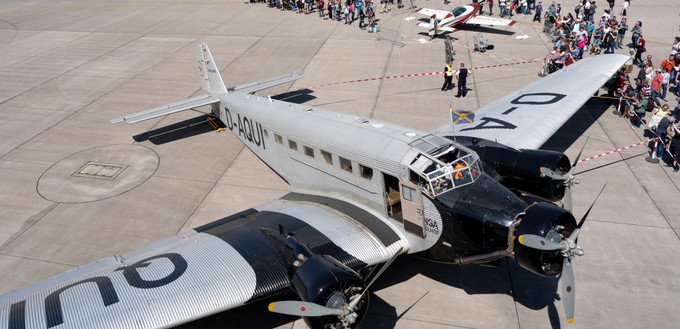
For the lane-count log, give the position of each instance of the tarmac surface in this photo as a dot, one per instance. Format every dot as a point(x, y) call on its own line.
point(68, 67)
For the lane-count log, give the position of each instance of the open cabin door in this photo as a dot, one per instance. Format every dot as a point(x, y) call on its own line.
point(404, 203)
point(412, 208)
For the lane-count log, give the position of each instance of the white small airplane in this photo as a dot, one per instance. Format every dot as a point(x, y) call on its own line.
point(442, 20)
point(364, 191)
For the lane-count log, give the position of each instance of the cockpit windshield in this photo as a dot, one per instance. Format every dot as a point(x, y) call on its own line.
point(443, 165)
point(458, 11)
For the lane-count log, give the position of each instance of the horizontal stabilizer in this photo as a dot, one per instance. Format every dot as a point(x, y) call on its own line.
point(439, 28)
point(168, 109)
point(266, 83)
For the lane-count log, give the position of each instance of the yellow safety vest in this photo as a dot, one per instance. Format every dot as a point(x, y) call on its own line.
point(449, 71)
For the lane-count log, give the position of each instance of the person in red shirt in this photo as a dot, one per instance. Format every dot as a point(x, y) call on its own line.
point(668, 64)
point(656, 87)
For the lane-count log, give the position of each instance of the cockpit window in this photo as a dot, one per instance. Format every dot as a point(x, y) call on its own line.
point(458, 11)
point(446, 169)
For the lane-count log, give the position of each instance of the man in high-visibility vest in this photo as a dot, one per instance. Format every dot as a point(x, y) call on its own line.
point(448, 76)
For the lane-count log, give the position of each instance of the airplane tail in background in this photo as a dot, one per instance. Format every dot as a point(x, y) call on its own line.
point(209, 74)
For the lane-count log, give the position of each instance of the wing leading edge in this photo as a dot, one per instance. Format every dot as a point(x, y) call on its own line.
point(215, 267)
point(527, 117)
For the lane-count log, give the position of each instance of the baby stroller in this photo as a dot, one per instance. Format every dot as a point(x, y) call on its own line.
point(481, 44)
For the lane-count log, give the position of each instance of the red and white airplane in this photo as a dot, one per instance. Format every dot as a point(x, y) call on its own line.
point(442, 20)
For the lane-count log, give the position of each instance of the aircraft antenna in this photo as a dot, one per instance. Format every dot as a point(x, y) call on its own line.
point(453, 125)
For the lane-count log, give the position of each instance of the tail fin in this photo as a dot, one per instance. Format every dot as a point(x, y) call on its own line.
point(209, 75)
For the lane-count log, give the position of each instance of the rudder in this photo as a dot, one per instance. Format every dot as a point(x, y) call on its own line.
point(209, 75)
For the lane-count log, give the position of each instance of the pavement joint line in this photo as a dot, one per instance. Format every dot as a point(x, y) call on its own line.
point(38, 260)
point(380, 84)
point(81, 8)
point(414, 75)
point(641, 182)
point(19, 233)
point(76, 111)
point(214, 184)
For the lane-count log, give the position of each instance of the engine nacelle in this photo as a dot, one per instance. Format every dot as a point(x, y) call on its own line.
point(323, 280)
point(550, 222)
point(520, 169)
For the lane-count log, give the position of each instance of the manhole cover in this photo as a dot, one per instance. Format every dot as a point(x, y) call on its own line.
point(100, 170)
point(98, 173)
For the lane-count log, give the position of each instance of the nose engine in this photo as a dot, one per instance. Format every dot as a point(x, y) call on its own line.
point(551, 223)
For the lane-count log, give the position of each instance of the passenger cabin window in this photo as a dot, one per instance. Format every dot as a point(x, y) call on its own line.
point(366, 172)
point(327, 157)
point(345, 164)
point(278, 139)
point(292, 145)
point(309, 151)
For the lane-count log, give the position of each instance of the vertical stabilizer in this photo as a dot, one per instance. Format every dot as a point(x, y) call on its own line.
point(208, 74)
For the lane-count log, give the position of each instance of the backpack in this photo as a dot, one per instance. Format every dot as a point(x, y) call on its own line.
point(650, 105)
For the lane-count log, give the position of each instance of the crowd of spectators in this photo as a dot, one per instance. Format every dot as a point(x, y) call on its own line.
point(573, 35)
point(339, 10)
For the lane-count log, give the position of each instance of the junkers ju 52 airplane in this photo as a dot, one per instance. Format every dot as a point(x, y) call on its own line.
point(363, 192)
point(442, 20)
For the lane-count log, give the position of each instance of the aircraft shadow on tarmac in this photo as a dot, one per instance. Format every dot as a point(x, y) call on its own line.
point(202, 123)
point(578, 124)
point(180, 130)
point(299, 96)
point(528, 289)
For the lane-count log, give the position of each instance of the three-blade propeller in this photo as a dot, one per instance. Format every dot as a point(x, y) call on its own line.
point(569, 180)
point(569, 249)
point(307, 309)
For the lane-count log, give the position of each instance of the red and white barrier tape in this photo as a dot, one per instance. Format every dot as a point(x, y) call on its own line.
point(617, 150)
point(402, 76)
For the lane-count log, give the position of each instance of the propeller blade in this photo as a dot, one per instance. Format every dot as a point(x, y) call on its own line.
point(566, 200)
point(354, 303)
point(538, 242)
point(300, 308)
point(550, 173)
point(574, 235)
point(578, 157)
point(568, 289)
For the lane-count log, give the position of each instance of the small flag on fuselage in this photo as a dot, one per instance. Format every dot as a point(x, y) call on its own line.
point(462, 117)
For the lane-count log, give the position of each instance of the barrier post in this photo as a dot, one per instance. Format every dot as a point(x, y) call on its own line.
point(653, 158)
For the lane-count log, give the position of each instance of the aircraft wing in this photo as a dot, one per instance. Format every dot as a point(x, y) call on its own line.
point(441, 14)
point(486, 20)
point(527, 117)
point(215, 267)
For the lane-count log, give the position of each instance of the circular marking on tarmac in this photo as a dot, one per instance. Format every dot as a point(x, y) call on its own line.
point(98, 173)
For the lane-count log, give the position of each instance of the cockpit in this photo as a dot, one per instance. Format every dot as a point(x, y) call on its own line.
point(442, 165)
point(460, 10)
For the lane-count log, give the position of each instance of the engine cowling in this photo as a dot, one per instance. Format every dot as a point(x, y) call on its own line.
point(550, 222)
point(323, 280)
point(520, 169)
